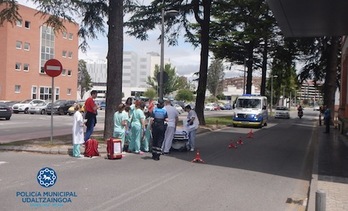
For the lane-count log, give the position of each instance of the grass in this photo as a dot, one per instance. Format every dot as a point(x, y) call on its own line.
point(220, 120)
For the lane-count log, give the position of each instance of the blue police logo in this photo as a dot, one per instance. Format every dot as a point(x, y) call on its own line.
point(46, 177)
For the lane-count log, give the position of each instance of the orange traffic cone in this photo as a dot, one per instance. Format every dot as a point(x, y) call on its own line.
point(198, 158)
point(250, 134)
point(240, 142)
point(232, 145)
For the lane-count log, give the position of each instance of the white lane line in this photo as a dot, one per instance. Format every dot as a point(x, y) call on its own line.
point(3, 162)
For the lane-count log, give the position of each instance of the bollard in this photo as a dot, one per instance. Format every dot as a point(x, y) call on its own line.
point(319, 119)
point(320, 200)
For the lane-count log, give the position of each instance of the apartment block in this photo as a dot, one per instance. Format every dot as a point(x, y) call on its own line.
point(25, 47)
point(136, 70)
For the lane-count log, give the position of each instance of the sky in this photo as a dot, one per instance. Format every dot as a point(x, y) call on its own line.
point(184, 56)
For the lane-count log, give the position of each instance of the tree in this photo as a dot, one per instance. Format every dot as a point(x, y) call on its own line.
point(149, 16)
point(184, 95)
point(173, 83)
point(215, 76)
point(243, 39)
point(150, 93)
point(84, 82)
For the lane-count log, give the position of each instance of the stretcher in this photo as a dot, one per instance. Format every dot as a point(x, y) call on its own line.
point(180, 141)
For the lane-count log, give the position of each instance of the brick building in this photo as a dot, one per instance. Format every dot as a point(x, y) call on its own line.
point(25, 47)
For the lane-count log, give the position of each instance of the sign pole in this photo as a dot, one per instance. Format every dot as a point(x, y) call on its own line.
point(52, 110)
point(52, 68)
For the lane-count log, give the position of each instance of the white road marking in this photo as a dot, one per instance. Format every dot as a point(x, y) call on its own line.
point(3, 162)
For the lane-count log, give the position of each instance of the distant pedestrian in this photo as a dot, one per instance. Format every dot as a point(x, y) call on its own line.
point(327, 118)
point(192, 124)
point(172, 121)
point(91, 114)
point(77, 131)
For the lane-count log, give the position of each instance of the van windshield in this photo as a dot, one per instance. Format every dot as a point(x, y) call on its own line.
point(248, 103)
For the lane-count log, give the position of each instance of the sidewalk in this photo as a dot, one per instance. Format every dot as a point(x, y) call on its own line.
point(330, 170)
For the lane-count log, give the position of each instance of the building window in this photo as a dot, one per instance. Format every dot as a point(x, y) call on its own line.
point(70, 36)
point(64, 72)
point(45, 93)
point(19, 44)
point(34, 92)
point(18, 66)
point(19, 23)
point(26, 46)
point(69, 72)
point(64, 54)
point(70, 54)
point(64, 35)
point(56, 93)
point(27, 24)
point(17, 88)
point(69, 91)
point(26, 67)
point(47, 46)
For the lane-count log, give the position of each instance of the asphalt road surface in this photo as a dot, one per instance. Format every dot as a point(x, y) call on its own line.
point(268, 172)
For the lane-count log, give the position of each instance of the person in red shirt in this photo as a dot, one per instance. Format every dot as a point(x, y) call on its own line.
point(91, 114)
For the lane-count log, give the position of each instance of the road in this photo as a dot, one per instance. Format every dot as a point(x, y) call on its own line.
point(27, 126)
point(264, 173)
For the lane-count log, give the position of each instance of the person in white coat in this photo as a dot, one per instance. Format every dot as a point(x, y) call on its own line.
point(191, 126)
point(77, 131)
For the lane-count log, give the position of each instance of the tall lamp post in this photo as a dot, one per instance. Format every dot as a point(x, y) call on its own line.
point(169, 12)
point(273, 76)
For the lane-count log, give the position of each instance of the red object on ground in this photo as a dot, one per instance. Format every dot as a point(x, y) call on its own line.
point(91, 148)
point(240, 142)
point(250, 134)
point(232, 145)
point(114, 148)
point(198, 158)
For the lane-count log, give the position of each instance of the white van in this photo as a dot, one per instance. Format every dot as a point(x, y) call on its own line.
point(250, 110)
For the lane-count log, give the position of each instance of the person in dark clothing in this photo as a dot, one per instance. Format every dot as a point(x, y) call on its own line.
point(159, 114)
point(327, 119)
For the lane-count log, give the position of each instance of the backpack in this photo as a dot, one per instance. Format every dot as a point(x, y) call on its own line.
point(91, 148)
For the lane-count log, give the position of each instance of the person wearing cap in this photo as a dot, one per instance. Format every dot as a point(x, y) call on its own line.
point(159, 114)
point(173, 118)
point(191, 126)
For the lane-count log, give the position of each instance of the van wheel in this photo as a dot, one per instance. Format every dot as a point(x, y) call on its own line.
point(26, 111)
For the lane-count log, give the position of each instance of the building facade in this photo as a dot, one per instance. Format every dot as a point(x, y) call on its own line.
point(136, 70)
point(24, 49)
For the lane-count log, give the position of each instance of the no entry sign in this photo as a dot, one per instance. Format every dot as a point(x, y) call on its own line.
point(53, 67)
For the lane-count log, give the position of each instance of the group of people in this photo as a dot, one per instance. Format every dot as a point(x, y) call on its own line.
point(139, 129)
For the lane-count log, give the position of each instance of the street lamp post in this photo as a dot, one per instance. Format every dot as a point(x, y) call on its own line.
point(244, 75)
point(273, 76)
point(162, 57)
point(163, 13)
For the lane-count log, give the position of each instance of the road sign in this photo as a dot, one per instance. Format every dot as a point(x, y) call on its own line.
point(53, 67)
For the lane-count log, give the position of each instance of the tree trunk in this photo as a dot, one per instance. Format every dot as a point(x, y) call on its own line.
point(114, 64)
point(331, 75)
point(264, 69)
point(249, 82)
point(203, 70)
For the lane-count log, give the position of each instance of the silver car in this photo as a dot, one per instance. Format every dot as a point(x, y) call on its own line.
point(282, 112)
point(39, 108)
point(24, 105)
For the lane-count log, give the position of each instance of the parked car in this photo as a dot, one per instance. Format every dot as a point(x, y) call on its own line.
point(39, 108)
point(11, 103)
point(71, 110)
point(212, 107)
point(5, 111)
point(282, 112)
point(179, 108)
point(24, 105)
point(60, 107)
